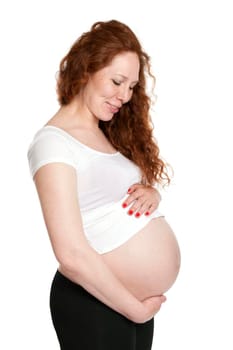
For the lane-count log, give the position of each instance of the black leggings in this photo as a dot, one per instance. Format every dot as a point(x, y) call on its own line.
point(82, 322)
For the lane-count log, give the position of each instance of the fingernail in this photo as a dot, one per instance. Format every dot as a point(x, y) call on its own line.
point(147, 213)
point(124, 205)
point(129, 190)
point(137, 215)
point(130, 212)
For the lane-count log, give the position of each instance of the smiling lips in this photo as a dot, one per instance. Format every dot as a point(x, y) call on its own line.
point(113, 108)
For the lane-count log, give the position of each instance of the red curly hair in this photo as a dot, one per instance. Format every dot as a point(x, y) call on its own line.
point(131, 130)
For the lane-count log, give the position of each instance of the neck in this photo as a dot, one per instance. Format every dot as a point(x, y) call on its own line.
point(77, 115)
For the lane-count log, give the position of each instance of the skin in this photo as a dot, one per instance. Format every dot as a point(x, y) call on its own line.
point(141, 200)
point(56, 183)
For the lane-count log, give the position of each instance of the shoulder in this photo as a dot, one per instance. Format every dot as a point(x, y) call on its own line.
point(49, 145)
point(48, 132)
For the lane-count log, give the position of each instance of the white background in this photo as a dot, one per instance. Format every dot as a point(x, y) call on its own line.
point(190, 43)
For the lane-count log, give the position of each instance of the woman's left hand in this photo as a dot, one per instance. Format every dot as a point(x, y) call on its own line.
point(142, 199)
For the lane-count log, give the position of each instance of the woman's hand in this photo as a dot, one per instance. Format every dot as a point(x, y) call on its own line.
point(150, 308)
point(142, 199)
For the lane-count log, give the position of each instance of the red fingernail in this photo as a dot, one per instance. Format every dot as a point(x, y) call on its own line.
point(124, 205)
point(130, 212)
point(129, 190)
point(137, 215)
point(147, 213)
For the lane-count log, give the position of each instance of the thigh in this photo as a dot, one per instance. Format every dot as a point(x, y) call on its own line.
point(144, 335)
point(84, 323)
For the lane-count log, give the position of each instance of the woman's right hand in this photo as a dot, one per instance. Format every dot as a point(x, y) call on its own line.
point(151, 306)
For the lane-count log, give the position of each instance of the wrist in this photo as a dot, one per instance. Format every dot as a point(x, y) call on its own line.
point(137, 313)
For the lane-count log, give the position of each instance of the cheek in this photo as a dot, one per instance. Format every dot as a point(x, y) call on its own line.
point(107, 90)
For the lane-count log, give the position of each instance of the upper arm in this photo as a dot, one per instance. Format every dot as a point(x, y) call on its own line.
point(56, 185)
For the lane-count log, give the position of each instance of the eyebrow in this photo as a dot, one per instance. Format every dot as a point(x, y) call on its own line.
point(123, 76)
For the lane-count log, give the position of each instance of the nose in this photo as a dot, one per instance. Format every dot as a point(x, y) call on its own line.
point(124, 94)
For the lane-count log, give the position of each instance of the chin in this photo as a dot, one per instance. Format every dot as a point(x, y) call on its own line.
point(107, 118)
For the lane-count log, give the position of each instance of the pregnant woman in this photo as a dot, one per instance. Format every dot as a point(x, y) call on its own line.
point(95, 165)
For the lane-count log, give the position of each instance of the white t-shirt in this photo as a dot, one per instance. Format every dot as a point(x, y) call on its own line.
point(103, 180)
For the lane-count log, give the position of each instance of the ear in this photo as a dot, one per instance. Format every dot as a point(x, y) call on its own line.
point(85, 79)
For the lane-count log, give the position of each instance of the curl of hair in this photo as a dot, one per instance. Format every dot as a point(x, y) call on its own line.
point(131, 130)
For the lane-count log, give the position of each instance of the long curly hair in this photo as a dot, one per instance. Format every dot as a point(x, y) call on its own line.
point(130, 130)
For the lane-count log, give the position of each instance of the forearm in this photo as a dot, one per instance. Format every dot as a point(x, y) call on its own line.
point(88, 269)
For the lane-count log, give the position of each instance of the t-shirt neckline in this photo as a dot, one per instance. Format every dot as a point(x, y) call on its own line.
point(79, 142)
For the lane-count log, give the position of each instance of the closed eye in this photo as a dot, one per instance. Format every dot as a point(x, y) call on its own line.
point(116, 82)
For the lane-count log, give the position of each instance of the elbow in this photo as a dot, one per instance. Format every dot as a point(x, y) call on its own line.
point(69, 260)
point(72, 262)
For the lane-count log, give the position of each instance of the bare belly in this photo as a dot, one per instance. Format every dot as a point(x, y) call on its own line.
point(148, 263)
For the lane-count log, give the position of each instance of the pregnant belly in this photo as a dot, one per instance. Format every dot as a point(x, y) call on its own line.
point(148, 263)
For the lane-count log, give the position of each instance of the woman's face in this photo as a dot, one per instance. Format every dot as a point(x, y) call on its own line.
point(109, 88)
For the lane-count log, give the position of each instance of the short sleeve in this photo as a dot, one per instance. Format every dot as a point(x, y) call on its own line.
point(48, 147)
